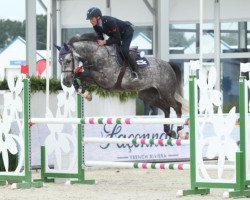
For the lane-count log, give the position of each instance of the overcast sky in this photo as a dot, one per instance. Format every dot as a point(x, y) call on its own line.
point(15, 9)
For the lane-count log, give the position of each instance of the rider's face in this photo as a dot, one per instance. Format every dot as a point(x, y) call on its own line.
point(94, 21)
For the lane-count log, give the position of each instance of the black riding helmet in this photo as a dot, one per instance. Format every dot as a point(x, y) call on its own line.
point(93, 12)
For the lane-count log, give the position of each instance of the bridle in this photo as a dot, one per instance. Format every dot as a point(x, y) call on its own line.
point(72, 66)
point(72, 70)
point(85, 63)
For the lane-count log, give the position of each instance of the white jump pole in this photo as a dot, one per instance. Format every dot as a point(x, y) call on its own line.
point(162, 142)
point(135, 165)
point(113, 120)
point(109, 120)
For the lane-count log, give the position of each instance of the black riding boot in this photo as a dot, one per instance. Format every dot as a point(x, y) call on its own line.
point(133, 68)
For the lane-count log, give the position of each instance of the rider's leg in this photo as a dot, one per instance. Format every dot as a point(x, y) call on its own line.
point(133, 67)
point(126, 40)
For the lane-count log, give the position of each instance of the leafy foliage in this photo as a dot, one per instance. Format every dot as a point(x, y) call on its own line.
point(39, 84)
point(177, 38)
point(3, 85)
point(12, 29)
point(123, 96)
point(13, 162)
point(41, 24)
point(9, 31)
point(230, 38)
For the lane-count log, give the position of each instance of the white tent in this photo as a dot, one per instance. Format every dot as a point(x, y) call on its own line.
point(208, 39)
point(13, 56)
point(142, 41)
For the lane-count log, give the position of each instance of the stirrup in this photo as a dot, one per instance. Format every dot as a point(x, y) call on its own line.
point(134, 76)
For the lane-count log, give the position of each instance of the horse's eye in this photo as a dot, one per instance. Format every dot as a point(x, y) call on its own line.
point(68, 61)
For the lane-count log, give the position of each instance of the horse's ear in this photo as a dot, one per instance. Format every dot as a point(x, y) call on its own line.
point(66, 47)
point(58, 47)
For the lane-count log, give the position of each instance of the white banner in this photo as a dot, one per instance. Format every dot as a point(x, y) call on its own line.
point(131, 152)
point(121, 152)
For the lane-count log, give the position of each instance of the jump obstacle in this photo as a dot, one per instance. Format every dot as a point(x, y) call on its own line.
point(23, 178)
point(240, 186)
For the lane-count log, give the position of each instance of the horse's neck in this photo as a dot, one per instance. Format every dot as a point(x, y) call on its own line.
point(104, 69)
point(102, 56)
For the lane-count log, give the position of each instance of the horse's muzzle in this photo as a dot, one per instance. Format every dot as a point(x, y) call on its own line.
point(67, 82)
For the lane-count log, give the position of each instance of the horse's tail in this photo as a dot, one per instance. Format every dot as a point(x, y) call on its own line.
point(179, 96)
point(177, 72)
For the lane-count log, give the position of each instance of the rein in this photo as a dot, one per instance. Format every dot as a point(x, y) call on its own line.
point(73, 64)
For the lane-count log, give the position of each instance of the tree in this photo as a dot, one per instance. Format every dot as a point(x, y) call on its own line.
point(230, 38)
point(41, 25)
point(177, 38)
point(9, 30)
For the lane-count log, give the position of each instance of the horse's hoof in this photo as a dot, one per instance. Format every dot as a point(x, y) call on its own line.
point(172, 134)
point(87, 95)
point(183, 135)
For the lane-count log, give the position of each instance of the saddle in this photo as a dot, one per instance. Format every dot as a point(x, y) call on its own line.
point(134, 54)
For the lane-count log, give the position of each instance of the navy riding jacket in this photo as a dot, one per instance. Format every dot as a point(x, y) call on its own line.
point(114, 28)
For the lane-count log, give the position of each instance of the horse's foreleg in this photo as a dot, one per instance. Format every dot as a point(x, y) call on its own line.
point(80, 85)
point(167, 127)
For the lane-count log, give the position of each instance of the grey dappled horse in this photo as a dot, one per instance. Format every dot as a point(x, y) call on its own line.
point(160, 83)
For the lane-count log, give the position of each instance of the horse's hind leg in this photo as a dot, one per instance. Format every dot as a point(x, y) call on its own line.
point(177, 106)
point(151, 96)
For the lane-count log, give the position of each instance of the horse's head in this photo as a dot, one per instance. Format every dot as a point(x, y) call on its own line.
point(67, 61)
point(83, 51)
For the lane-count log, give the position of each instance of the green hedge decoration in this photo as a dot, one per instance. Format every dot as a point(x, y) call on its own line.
point(39, 84)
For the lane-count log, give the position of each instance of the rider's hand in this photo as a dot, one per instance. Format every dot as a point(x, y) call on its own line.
point(101, 42)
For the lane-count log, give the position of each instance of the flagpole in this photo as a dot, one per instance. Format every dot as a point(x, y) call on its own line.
point(201, 33)
point(48, 53)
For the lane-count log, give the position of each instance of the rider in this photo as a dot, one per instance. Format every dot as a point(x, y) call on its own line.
point(119, 32)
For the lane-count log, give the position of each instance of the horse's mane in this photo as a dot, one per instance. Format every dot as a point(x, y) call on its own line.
point(84, 37)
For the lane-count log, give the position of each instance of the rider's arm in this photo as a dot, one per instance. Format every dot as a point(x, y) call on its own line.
point(99, 33)
point(115, 37)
